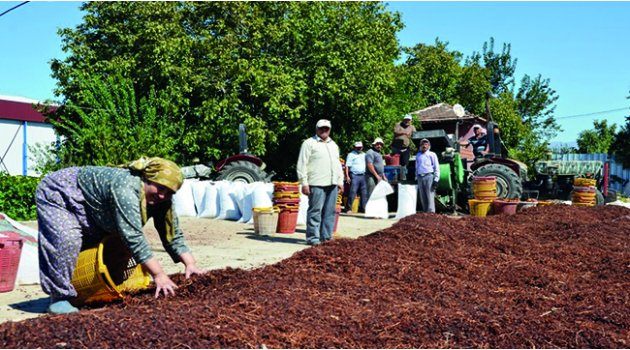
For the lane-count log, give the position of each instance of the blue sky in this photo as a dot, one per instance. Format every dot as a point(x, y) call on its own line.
point(584, 48)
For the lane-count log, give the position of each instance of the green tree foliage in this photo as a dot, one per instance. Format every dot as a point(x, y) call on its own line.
point(500, 65)
point(116, 127)
point(17, 196)
point(597, 140)
point(277, 67)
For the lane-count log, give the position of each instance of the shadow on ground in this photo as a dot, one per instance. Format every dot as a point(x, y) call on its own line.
point(35, 306)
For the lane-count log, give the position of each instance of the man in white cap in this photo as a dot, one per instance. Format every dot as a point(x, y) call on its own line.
point(319, 172)
point(428, 175)
point(402, 139)
point(479, 142)
point(375, 165)
point(355, 175)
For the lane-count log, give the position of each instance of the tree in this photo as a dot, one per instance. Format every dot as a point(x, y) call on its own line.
point(597, 140)
point(277, 67)
point(621, 146)
point(501, 66)
point(116, 127)
point(536, 99)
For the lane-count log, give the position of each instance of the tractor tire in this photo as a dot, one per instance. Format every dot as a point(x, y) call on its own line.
point(599, 198)
point(509, 184)
point(242, 171)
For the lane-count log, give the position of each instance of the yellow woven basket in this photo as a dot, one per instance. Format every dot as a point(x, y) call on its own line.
point(105, 272)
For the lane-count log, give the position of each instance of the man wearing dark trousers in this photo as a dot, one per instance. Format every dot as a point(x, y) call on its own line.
point(355, 175)
point(402, 140)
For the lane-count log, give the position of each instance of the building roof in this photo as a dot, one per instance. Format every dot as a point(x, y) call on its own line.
point(442, 112)
point(21, 109)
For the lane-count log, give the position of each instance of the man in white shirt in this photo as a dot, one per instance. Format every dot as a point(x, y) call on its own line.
point(428, 175)
point(319, 172)
point(355, 175)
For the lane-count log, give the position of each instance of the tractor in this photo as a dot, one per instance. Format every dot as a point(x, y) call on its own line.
point(446, 127)
point(242, 167)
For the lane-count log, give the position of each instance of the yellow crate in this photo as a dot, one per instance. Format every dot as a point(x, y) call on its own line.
point(93, 281)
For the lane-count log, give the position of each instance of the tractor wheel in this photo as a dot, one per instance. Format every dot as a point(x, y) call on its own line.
point(599, 198)
point(242, 171)
point(508, 182)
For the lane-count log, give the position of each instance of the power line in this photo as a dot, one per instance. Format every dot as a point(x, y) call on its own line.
point(594, 113)
point(13, 8)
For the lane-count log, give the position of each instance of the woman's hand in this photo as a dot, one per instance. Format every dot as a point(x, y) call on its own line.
point(193, 270)
point(191, 265)
point(163, 284)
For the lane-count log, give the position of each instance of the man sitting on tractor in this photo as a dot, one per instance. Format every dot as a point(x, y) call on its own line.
point(479, 142)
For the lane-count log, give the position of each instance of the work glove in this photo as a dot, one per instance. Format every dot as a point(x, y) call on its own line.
point(434, 186)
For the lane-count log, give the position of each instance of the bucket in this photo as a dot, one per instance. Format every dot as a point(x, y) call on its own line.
point(583, 182)
point(526, 204)
point(484, 187)
point(265, 221)
point(544, 203)
point(584, 195)
point(105, 272)
point(10, 252)
point(355, 204)
point(287, 221)
point(479, 207)
point(501, 206)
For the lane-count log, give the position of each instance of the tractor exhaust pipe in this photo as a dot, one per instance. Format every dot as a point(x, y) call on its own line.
point(242, 139)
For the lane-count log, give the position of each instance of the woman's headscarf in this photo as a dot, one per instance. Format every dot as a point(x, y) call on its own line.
point(159, 170)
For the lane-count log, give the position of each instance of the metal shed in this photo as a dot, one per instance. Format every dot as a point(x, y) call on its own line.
point(21, 127)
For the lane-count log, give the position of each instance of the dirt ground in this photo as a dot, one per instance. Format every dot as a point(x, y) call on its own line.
point(215, 244)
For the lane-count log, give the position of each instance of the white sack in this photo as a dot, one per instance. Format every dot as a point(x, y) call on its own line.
point(198, 191)
point(376, 206)
point(407, 200)
point(183, 199)
point(262, 196)
point(228, 207)
point(303, 209)
point(247, 203)
point(209, 207)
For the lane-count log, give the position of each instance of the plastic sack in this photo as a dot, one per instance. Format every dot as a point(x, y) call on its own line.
point(302, 210)
point(407, 200)
point(261, 195)
point(198, 191)
point(183, 199)
point(381, 190)
point(209, 207)
point(228, 208)
point(247, 202)
point(377, 206)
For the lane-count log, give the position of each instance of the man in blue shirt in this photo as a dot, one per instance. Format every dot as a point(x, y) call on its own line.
point(355, 175)
point(428, 175)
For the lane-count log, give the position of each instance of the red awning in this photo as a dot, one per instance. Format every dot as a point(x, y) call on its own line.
point(20, 110)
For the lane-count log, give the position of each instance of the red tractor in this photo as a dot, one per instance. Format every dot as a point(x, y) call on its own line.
point(242, 167)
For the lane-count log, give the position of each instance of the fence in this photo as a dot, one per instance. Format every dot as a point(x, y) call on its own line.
point(619, 177)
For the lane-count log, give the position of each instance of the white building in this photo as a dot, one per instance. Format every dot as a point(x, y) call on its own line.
point(21, 127)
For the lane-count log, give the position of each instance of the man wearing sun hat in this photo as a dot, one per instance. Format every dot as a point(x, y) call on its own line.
point(320, 175)
point(355, 174)
point(375, 165)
